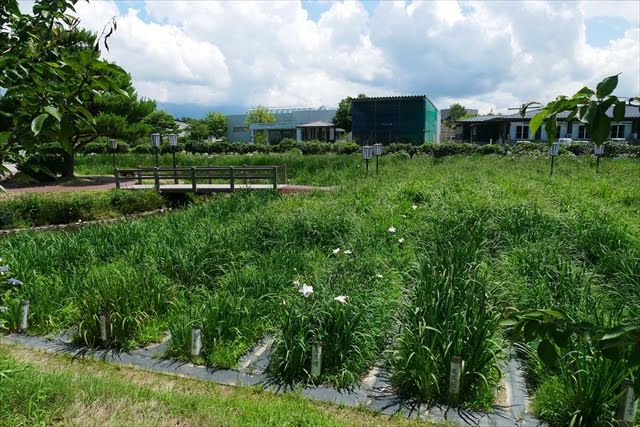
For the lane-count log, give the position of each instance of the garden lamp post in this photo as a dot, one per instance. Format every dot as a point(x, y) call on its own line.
point(553, 152)
point(599, 151)
point(377, 151)
point(173, 142)
point(114, 147)
point(156, 139)
point(367, 152)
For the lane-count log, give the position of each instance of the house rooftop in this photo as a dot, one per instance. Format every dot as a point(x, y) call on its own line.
point(631, 112)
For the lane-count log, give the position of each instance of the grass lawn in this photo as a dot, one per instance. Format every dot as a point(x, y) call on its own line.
point(37, 388)
point(408, 268)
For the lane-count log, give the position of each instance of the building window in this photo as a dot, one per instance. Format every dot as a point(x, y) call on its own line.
point(557, 132)
point(522, 132)
point(617, 131)
point(582, 132)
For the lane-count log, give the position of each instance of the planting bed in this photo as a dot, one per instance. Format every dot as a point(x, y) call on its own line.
point(408, 269)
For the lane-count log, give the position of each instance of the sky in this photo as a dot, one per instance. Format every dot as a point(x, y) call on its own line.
point(488, 55)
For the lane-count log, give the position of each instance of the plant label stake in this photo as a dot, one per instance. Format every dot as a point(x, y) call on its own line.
point(599, 151)
point(24, 315)
point(367, 152)
point(316, 359)
point(627, 406)
point(104, 330)
point(196, 340)
point(553, 152)
point(454, 377)
point(377, 151)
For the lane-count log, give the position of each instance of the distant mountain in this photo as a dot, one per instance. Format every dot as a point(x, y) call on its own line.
point(195, 111)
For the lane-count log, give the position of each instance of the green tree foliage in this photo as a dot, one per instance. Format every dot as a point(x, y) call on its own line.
point(259, 114)
point(197, 129)
point(53, 70)
point(456, 112)
point(342, 118)
point(217, 123)
point(161, 122)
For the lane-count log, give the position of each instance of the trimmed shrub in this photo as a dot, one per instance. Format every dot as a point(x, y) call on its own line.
point(129, 202)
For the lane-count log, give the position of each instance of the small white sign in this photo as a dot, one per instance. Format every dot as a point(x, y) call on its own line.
point(316, 359)
point(454, 376)
point(103, 328)
point(24, 315)
point(377, 150)
point(630, 405)
point(196, 340)
point(598, 149)
point(554, 149)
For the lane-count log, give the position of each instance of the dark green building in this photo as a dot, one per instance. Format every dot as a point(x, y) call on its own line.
point(406, 119)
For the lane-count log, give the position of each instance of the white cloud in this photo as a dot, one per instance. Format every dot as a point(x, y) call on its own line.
point(483, 54)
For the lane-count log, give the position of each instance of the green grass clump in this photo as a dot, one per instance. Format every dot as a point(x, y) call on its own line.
point(31, 209)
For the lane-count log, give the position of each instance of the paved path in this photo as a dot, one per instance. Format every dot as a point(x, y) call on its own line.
point(375, 393)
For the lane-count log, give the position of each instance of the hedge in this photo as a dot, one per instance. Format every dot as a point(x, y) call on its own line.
point(31, 209)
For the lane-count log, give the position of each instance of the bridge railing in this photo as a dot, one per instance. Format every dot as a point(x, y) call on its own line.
point(204, 174)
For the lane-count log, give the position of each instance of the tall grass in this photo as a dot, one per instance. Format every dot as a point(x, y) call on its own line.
point(485, 234)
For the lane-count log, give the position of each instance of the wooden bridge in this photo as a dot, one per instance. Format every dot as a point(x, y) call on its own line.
point(203, 179)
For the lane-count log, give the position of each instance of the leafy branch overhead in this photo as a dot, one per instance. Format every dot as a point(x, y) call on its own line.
point(554, 328)
point(587, 105)
point(53, 73)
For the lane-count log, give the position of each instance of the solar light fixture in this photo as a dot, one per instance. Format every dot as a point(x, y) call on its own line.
point(367, 152)
point(599, 151)
point(553, 152)
point(156, 139)
point(377, 151)
point(114, 147)
point(173, 142)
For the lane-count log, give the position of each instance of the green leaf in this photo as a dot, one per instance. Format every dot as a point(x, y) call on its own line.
point(584, 91)
point(600, 127)
point(85, 58)
point(634, 358)
point(36, 124)
point(4, 137)
point(53, 111)
point(619, 111)
point(561, 338)
point(523, 109)
point(530, 331)
point(85, 112)
point(536, 121)
point(547, 352)
point(550, 128)
point(586, 113)
point(606, 86)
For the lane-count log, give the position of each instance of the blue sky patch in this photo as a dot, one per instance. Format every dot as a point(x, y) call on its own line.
point(602, 29)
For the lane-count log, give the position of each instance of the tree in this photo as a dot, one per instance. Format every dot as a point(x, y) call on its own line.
point(259, 114)
point(217, 123)
point(161, 122)
point(53, 71)
point(456, 112)
point(342, 118)
point(197, 129)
